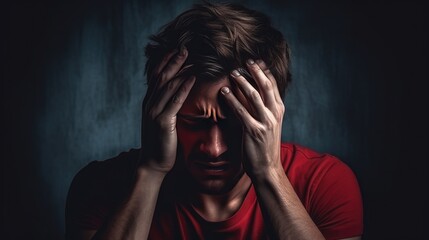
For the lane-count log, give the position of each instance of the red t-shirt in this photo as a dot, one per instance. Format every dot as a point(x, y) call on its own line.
point(327, 188)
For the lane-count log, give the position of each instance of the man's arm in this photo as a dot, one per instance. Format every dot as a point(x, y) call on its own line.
point(133, 218)
point(261, 120)
point(261, 114)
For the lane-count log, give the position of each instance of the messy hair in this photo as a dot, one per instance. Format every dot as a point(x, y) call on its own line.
point(219, 39)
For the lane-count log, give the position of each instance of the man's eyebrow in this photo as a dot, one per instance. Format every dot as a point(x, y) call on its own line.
point(195, 117)
point(192, 116)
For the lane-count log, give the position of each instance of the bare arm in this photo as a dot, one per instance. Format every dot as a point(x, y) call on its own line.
point(282, 208)
point(261, 113)
point(133, 218)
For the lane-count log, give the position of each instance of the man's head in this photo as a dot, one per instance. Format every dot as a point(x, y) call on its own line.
point(219, 38)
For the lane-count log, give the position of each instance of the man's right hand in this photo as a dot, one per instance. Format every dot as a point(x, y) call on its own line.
point(164, 98)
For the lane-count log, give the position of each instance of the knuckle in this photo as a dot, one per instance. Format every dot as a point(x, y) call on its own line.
point(267, 71)
point(258, 132)
point(171, 85)
point(269, 125)
point(163, 76)
point(178, 60)
point(240, 110)
point(183, 89)
point(257, 69)
point(261, 129)
point(279, 114)
point(163, 121)
point(282, 107)
point(152, 114)
point(254, 94)
point(267, 85)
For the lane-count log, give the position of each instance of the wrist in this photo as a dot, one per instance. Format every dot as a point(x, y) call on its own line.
point(150, 164)
point(146, 173)
point(267, 173)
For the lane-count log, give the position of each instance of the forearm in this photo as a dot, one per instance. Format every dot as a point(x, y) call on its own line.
point(283, 211)
point(134, 217)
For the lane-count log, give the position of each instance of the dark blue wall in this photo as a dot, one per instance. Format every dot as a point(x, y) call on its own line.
point(73, 86)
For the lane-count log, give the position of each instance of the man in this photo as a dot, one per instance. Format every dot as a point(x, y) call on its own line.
point(211, 164)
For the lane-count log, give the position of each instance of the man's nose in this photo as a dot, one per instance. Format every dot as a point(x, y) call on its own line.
point(213, 143)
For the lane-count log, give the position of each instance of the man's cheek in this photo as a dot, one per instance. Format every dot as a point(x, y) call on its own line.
point(186, 140)
point(234, 137)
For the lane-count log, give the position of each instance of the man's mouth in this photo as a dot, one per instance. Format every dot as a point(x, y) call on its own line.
point(212, 165)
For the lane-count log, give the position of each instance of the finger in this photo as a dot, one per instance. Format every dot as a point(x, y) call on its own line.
point(270, 76)
point(251, 94)
point(164, 62)
point(169, 70)
point(265, 85)
point(159, 102)
point(239, 110)
point(172, 68)
point(179, 98)
point(152, 86)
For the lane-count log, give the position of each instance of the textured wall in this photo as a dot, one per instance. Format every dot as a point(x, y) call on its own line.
point(74, 84)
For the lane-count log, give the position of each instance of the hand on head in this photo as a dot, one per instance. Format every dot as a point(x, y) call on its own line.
point(161, 104)
point(260, 110)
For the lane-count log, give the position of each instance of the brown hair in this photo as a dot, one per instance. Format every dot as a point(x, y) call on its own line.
point(220, 38)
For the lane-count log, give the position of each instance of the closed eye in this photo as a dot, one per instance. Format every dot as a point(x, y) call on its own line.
point(193, 124)
point(201, 123)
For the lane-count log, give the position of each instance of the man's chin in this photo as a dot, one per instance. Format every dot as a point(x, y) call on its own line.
point(216, 186)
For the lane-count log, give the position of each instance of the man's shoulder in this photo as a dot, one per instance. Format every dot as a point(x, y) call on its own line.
point(99, 176)
point(302, 162)
point(294, 152)
point(97, 188)
point(110, 168)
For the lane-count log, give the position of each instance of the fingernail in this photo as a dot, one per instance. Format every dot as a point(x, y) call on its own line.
point(235, 73)
point(250, 62)
point(182, 52)
point(224, 90)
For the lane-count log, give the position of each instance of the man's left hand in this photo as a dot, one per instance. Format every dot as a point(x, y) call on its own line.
point(261, 114)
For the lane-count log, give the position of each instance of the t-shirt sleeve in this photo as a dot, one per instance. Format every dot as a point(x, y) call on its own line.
point(97, 189)
point(81, 213)
point(336, 205)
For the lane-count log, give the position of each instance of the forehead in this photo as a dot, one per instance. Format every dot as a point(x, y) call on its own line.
point(204, 98)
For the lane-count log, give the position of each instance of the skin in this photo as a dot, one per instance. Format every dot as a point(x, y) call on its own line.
point(281, 207)
point(224, 112)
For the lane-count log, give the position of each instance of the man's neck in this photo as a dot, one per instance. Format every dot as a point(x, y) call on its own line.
point(217, 208)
